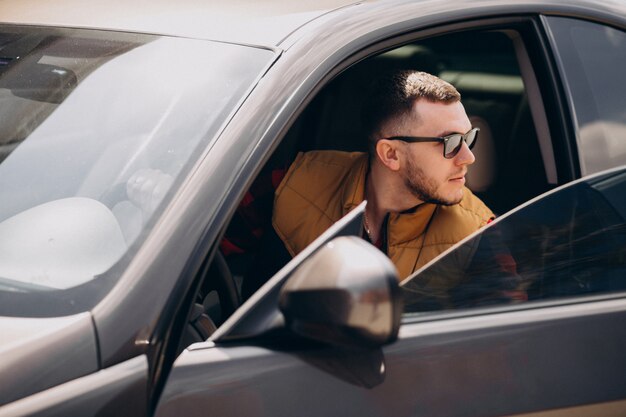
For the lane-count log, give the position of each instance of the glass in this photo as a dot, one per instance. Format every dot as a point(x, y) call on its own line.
point(569, 243)
point(97, 130)
point(451, 143)
point(592, 58)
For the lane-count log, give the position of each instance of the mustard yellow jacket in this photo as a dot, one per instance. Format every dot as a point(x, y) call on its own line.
point(320, 187)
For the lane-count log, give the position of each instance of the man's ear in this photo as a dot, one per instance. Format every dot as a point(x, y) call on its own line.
point(388, 154)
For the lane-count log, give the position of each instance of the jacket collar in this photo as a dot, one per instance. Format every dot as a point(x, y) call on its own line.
point(402, 227)
point(409, 225)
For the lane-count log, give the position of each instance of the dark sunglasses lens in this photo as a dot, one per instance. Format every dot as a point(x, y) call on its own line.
point(453, 145)
point(472, 135)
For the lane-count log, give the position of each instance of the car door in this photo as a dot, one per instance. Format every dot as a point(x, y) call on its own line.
point(524, 317)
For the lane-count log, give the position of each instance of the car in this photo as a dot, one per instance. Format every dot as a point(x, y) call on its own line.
point(136, 136)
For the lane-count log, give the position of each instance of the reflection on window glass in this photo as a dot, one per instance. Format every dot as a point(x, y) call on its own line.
point(593, 58)
point(97, 129)
point(570, 243)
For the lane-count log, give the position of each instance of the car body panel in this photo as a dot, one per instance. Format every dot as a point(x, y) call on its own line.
point(39, 353)
point(120, 389)
point(246, 22)
point(269, 23)
point(506, 363)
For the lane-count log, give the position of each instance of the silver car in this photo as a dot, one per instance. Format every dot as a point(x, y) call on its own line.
point(135, 137)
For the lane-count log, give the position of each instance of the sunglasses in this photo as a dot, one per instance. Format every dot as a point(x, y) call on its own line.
point(451, 143)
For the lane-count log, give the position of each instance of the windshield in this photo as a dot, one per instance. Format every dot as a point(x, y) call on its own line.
point(569, 243)
point(96, 127)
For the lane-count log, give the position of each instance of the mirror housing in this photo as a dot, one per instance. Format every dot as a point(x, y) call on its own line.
point(346, 294)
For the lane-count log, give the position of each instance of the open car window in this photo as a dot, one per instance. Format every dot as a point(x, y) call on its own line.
point(568, 243)
point(260, 313)
point(500, 91)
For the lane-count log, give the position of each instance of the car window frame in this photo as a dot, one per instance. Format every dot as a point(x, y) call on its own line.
point(527, 23)
point(560, 130)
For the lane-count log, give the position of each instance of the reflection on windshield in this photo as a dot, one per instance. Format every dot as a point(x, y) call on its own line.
point(96, 129)
point(570, 243)
point(593, 57)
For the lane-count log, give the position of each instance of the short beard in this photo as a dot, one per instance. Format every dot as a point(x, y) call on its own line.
point(424, 188)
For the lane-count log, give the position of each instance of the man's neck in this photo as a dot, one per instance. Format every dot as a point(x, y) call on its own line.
point(385, 193)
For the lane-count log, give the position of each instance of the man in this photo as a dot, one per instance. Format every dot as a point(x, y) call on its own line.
point(413, 176)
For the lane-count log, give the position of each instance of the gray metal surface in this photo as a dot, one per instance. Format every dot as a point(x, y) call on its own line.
point(271, 22)
point(119, 390)
point(241, 21)
point(39, 353)
point(490, 365)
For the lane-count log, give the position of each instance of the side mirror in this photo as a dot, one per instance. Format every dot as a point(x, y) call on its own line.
point(346, 294)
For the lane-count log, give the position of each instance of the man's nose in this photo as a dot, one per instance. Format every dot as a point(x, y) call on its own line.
point(465, 156)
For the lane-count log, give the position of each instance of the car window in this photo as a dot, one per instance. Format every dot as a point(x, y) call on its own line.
point(592, 58)
point(486, 68)
point(569, 243)
point(96, 127)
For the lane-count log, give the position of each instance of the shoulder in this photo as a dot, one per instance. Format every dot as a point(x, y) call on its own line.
point(315, 193)
point(335, 160)
point(319, 170)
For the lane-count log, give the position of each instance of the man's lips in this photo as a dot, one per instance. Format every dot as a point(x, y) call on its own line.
point(458, 177)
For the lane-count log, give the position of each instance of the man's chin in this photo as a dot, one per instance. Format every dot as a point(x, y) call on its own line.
point(451, 201)
point(444, 202)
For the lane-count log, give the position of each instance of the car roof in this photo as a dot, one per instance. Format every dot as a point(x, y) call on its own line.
point(266, 23)
point(253, 22)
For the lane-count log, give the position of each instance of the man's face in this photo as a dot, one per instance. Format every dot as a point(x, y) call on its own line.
point(427, 175)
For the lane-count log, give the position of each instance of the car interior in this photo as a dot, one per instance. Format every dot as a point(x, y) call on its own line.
point(493, 73)
point(488, 76)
